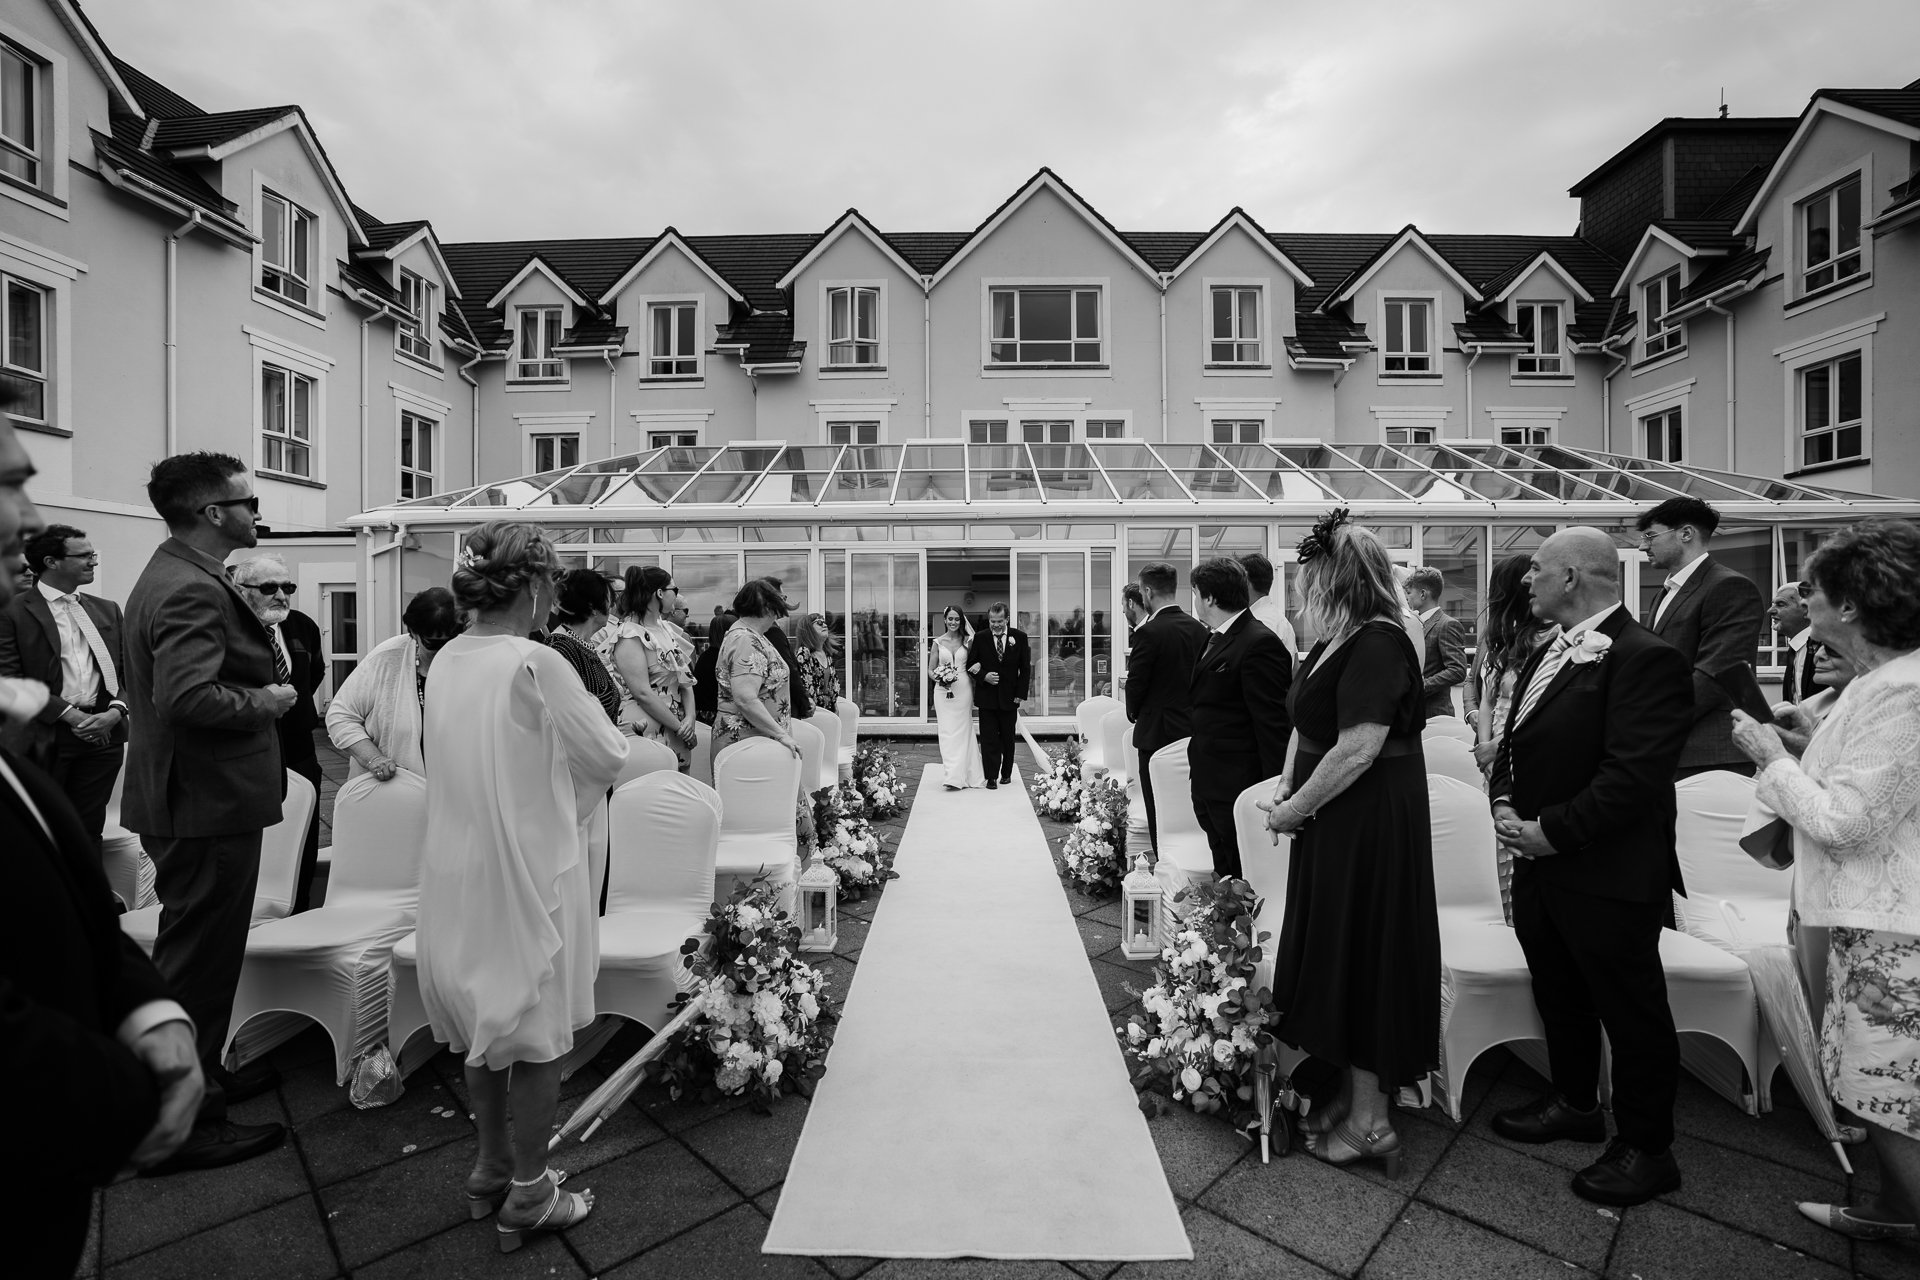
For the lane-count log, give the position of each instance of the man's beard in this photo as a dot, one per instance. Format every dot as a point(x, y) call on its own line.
point(273, 615)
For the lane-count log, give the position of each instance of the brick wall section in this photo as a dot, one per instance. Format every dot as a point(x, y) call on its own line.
point(1614, 213)
point(1705, 165)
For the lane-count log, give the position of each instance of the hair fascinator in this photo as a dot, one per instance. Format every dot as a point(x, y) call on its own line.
point(1320, 541)
point(468, 560)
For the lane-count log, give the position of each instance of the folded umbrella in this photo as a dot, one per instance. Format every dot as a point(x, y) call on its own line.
point(610, 1096)
point(1783, 1008)
point(1041, 760)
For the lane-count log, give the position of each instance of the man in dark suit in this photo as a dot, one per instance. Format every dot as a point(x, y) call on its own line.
point(97, 1063)
point(1789, 614)
point(1582, 789)
point(70, 641)
point(204, 776)
point(1160, 658)
point(268, 588)
point(1002, 668)
point(1711, 614)
point(1445, 663)
point(1238, 698)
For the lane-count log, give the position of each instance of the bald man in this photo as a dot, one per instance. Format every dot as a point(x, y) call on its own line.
point(1582, 791)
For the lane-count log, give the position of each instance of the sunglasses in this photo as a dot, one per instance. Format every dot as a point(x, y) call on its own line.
point(286, 589)
point(434, 644)
point(251, 504)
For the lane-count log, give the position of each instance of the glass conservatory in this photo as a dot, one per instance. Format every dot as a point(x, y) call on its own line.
point(881, 539)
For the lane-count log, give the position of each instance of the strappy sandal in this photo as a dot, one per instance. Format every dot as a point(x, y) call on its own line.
point(1383, 1146)
point(1835, 1217)
point(1324, 1120)
point(563, 1209)
point(487, 1201)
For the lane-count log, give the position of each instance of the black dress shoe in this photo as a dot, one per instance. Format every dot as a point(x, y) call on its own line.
point(1007, 781)
point(213, 1145)
point(1626, 1176)
point(990, 784)
point(249, 1081)
point(1550, 1119)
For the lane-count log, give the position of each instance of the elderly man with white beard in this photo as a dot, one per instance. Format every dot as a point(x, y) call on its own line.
point(268, 586)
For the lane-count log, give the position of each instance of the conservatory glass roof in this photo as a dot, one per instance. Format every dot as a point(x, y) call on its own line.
point(760, 478)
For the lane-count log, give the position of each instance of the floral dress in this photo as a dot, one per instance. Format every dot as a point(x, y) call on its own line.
point(818, 679)
point(669, 675)
point(745, 652)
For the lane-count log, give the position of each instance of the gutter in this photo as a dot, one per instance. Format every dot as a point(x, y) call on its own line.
point(218, 224)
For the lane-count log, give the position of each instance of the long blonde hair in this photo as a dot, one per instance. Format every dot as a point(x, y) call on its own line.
point(1349, 583)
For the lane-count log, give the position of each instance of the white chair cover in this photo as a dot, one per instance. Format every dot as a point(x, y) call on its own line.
point(1113, 743)
point(1185, 857)
point(279, 867)
point(829, 726)
point(849, 713)
point(666, 834)
point(702, 768)
point(645, 756)
point(813, 753)
point(758, 784)
point(330, 964)
point(1138, 839)
point(1088, 715)
point(1448, 727)
point(129, 871)
point(409, 1038)
point(1265, 865)
point(1449, 758)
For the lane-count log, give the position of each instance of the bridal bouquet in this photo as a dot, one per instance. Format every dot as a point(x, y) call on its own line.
point(1096, 848)
point(1202, 1023)
point(764, 1019)
point(946, 675)
point(1059, 794)
point(849, 844)
point(877, 780)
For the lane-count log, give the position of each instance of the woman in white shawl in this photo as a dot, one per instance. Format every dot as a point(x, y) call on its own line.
point(521, 754)
point(375, 713)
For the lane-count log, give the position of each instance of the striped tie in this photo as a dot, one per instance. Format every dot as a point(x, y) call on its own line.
point(1544, 673)
point(109, 677)
point(282, 673)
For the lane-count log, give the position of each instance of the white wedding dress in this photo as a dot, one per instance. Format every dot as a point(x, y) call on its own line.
point(959, 745)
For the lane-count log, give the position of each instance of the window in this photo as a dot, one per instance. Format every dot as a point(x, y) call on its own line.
point(539, 335)
point(415, 336)
point(1045, 326)
point(1521, 434)
point(1831, 421)
point(987, 432)
point(1661, 335)
point(1237, 431)
point(672, 439)
point(1106, 429)
point(1235, 334)
point(853, 433)
point(1409, 435)
point(286, 421)
point(1409, 336)
point(286, 249)
point(853, 326)
point(1053, 432)
point(675, 334)
point(19, 116)
point(1539, 323)
point(551, 453)
point(416, 456)
point(1830, 244)
point(1660, 433)
point(24, 369)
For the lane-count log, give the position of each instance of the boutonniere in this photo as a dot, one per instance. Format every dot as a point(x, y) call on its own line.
point(1592, 646)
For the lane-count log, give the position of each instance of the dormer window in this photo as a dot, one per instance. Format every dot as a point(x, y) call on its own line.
point(1409, 336)
point(676, 340)
point(538, 334)
point(1659, 333)
point(853, 327)
point(286, 249)
point(415, 334)
point(1539, 324)
point(19, 116)
point(1234, 336)
point(1830, 236)
point(1044, 326)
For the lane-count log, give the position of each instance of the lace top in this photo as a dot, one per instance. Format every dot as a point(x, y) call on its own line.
point(1854, 804)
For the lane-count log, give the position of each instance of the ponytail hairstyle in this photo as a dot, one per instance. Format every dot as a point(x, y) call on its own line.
point(644, 584)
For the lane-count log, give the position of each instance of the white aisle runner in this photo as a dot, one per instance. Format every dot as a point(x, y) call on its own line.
point(975, 1102)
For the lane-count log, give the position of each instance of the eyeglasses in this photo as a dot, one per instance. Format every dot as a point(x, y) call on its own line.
point(434, 644)
point(1805, 589)
point(251, 504)
point(90, 557)
point(286, 589)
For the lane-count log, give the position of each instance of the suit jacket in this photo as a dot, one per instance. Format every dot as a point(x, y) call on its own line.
point(1806, 688)
point(1160, 658)
point(1238, 697)
point(1016, 669)
point(1594, 765)
point(30, 647)
point(76, 1098)
point(1715, 620)
point(1446, 662)
point(301, 635)
point(204, 755)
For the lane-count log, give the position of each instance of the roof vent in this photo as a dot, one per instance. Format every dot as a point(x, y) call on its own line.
point(146, 138)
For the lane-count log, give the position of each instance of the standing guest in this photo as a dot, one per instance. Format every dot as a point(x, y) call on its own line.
point(798, 699)
point(1445, 663)
point(268, 588)
point(1160, 659)
point(1266, 606)
point(1507, 641)
point(1410, 620)
point(648, 664)
point(813, 649)
point(706, 689)
point(1237, 704)
point(1711, 614)
point(755, 687)
point(523, 755)
point(1853, 802)
point(1796, 722)
point(1789, 613)
point(1002, 668)
point(204, 777)
point(96, 1056)
point(1133, 608)
point(376, 712)
point(580, 606)
point(1582, 793)
point(1357, 971)
point(69, 640)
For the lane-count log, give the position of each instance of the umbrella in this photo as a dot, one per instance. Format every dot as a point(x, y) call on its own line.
point(1783, 1004)
point(619, 1086)
point(1041, 759)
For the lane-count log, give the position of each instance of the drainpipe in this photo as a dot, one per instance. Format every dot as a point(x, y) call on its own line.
point(473, 430)
point(1606, 401)
point(1714, 306)
point(1477, 353)
point(365, 502)
point(173, 344)
point(1164, 280)
point(613, 403)
point(926, 355)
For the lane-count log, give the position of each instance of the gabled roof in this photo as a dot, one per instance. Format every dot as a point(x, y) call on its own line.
point(533, 265)
point(389, 240)
point(1595, 322)
point(1163, 249)
point(1657, 233)
point(371, 284)
point(1409, 236)
point(218, 135)
point(1897, 111)
point(1734, 200)
point(1743, 268)
point(1239, 218)
point(1904, 209)
point(174, 188)
point(926, 250)
point(668, 239)
point(1502, 286)
point(1047, 180)
point(763, 339)
point(1489, 330)
point(1321, 337)
point(592, 334)
point(851, 220)
point(454, 327)
point(154, 96)
point(81, 28)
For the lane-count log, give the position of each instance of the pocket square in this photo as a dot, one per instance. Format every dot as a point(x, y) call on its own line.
point(1220, 670)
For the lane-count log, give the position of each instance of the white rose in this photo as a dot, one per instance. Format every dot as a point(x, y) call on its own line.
point(1190, 1078)
point(1223, 1052)
point(771, 1072)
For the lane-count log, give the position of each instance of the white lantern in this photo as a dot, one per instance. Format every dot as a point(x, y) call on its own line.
point(819, 887)
point(1140, 908)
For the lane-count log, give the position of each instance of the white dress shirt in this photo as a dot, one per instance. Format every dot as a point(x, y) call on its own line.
point(79, 673)
point(1796, 662)
point(1267, 609)
point(1675, 580)
point(1226, 626)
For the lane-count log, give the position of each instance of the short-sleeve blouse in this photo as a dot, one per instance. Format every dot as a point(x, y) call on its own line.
point(745, 652)
point(1374, 678)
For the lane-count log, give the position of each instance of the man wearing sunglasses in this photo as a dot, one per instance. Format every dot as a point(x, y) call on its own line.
point(268, 588)
point(207, 687)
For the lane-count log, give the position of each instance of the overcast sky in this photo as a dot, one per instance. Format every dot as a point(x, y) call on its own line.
point(546, 118)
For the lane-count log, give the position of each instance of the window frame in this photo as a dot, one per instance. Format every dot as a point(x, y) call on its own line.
point(1262, 360)
point(557, 441)
point(52, 122)
point(1671, 422)
point(1562, 370)
point(33, 150)
point(676, 308)
point(1435, 373)
point(267, 436)
point(1529, 424)
point(301, 229)
point(545, 356)
point(1236, 429)
point(852, 430)
point(1797, 294)
point(1415, 420)
point(1101, 286)
point(412, 420)
point(421, 332)
point(44, 376)
point(1672, 336)
point(680, 438)
point(853, 288)
point(271, 349)
point(1825, 348)
point(1105, 424)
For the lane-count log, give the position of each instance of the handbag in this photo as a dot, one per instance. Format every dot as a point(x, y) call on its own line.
point(1767, 838)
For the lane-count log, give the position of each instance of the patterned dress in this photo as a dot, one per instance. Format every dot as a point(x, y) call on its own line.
point(669, 675)
point(745, 652)
point(818, 678)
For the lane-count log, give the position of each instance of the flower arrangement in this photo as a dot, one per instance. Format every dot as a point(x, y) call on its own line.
point(764, 1021)
point(877, 780)
point(1202, 1025)
point(1058, 795)
point(849, 844)
point(1096, 848)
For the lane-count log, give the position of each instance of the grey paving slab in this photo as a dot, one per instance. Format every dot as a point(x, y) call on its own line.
point(472, 1250)
point(1107, 913)
point(1759, 1196)
point(1571, 1156)
point(1098, 938)
point(1222, 1251)
point(853, 936)
point(1426, 1244)
point(285, 1241)
point(142, 1213)
point(1784, 1136)
point(1195, 1149)
point(399, 1204)
point(1322, 1213)
point(968, 1269)
point(341, 1144)
point(1523, 1198)
point(308, 1092)
point(677, 1117)
point(750, 1150)
point(1422, 1143)
point(626, 1131)
point(1115, 981)
point(642, 1199)
point(1884, 1260)
point(1660, 1240)
point(726, 1247)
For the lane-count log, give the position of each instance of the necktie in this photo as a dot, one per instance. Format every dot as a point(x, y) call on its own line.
point(282, 673)
point(1544, 673)
point(109, 677)
point(1000, 646)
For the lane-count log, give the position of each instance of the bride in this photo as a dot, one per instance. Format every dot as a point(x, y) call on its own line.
point(953, 704)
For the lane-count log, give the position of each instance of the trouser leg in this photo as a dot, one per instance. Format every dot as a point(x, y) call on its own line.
point(85, 775)
point(1216, 819)
point(1009, 735)
point(51, 1232)
point(1146, 797)
point(1560, 995)
point(989, 743)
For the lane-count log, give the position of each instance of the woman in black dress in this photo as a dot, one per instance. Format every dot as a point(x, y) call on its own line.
point(1357, 971)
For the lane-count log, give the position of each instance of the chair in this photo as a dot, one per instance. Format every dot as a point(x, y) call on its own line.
point(1448, 727)
point(666, 835)
point(828, 724)
point(330, 964)
point(813, 752)
point(702, 768)
point(129, 871)
point(758, 782)
point(1113, 735)
point(645, 756)
point(1088, 715)
point(1449, 758)
point(1265, 866)
point(280, 846)
point(1185, 856)
point(849, 712)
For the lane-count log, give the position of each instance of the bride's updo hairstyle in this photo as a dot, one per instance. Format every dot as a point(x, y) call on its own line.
point(500, 559)
point(1346, 577)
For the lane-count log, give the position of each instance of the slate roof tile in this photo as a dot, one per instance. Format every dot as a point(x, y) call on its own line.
point(594, 331)
point(1743, 265)
point(155, 98)
point(122, 150)
point(211, 129)
point(368, 281)
point(1734, 201)
point(1895, 104)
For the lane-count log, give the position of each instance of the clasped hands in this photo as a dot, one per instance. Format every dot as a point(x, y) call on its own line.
point(1519, 836)
point(95, 730)
point(1761, 742)
point(1283, 819)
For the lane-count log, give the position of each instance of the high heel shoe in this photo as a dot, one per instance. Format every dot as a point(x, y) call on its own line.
point(1382, 1145)
point(1326, 1119)
point(563, 1209)
point(484, 1201)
